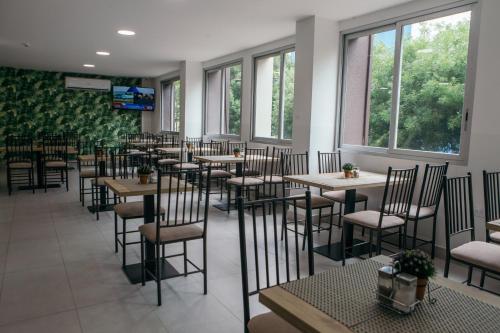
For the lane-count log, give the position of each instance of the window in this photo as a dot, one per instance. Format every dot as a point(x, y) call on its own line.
point(171, 105)
point(405, 86)
point(274, 95)
point(223, 100)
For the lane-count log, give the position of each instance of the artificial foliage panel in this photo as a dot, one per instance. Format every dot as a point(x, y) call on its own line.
point(36, 102)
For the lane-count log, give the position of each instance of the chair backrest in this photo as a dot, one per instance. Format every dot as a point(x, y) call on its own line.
point(184, 204)
point(276, 161)
point(213, 148)
point(19, 149)
point(294, 164)
point(193, 141)
point(102, 161)
point(329, 162)
point(491, 185)
point(223, 145)
point(73, 139)
point(233, 144)
point(55, 147)
point(255, 162)
point(271, 261)
point(432, 186)
point(398, 192)
point(459, 207)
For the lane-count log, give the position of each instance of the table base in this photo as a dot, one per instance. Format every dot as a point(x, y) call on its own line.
point(101, 208)
point(133, 272)
point(334, 250)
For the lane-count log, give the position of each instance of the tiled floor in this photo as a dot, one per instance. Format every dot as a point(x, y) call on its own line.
point(59, 273)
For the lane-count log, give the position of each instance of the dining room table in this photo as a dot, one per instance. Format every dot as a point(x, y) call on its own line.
point(343, 299)
point(132, 188)
point(338, 182)
point(38, 151)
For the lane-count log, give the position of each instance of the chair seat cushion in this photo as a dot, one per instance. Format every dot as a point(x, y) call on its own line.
point(317, 202)
point(130, 210)
point(55, 164)
point(20, 165)
point(495, 237)
point(423, 213)
point(100, 180)
point(370, 219)
point(168, 161)
point(89, 173)
point(247, 181)
point(270, 323)
point(339, 196)
point(171, 234)
point(271, 179)
point(217, 174)
point(478, 253)
point(186, 166)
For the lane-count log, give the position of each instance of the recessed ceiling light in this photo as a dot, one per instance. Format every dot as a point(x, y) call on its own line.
point(103, 53)
point(126, 32)
point(88, 65)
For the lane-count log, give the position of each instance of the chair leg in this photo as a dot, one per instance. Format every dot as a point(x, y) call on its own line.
point(143, 264)
point(32, 180)
point(185, 257)
point(343, 247)
point(469, 275)
point(9, 181)
point(158, 273)
point(228, 198)
point(116, 233)
point(319, 222)
point(331, 226)
point(370, 243)
point(447, 266)
point(340, 215)
point(483, 276)
point(124, 244)
point(379, 242)
point(67, 180)
point(433, 245)
point(204, 266)
point(415, 229)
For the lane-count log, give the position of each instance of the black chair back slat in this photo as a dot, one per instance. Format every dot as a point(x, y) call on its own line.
point(19, 149)
point(491, 186)
point(55, 148)
point(212, 148)
point(459, 206)
point(255, 162)
point(294, 164)
point(276, 161)
point(231, 145)
point(329, 162)
point(258, 274)
point(398, 192)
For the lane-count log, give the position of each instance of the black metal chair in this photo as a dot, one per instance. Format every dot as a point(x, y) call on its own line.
point(491, 186)
point(393, 214)
point(219, 173)
point(428, 203)
point(330, 163)
point(20, 164)
point(55, 160)
point(186, 220)
point(273, 177)
point(459, 220)
point(99, 190)
point(254, 166)
point(271, 262)
point(298, 164)
point(189, 148)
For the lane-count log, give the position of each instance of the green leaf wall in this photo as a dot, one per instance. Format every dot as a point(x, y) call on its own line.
point(34, 102)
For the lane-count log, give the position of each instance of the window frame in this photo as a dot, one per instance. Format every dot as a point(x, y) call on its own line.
point(398, 23)
point(169, 81)
point(223, 101)
point(281, 52)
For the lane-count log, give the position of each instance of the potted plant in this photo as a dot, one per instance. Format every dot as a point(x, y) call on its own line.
point(236, 152)
point(419, 264)
point(348, 168)
point(144, 172)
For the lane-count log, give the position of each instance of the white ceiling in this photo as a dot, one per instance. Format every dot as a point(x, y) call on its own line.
point(65, 34)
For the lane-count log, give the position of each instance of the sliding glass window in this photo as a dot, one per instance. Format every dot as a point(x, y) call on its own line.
point(407, 87)
point(274, 79)
point(171, 105)
point(223, 100)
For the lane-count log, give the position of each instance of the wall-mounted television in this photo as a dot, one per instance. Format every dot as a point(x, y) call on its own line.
point(133, 98)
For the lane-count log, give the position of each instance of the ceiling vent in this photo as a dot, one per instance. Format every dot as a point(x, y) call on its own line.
point(87, 84)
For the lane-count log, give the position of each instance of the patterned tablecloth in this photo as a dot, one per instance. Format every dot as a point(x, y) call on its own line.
point(347, 294)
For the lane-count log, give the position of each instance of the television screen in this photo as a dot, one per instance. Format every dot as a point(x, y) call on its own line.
point(133, 98)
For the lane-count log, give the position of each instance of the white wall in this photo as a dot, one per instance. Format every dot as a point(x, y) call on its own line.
point(485, 136)
point(191, 99)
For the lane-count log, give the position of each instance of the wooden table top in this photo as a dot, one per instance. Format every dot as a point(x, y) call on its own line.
point(493, 225)
point(39, 149)
point(309, 319)
point(131, 187)
point(337, 181)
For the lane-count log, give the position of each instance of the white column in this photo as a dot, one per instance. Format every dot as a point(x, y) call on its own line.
point(191, 74)
point(316, 47)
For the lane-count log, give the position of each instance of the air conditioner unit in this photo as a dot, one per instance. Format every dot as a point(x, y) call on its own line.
point(87, 84)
